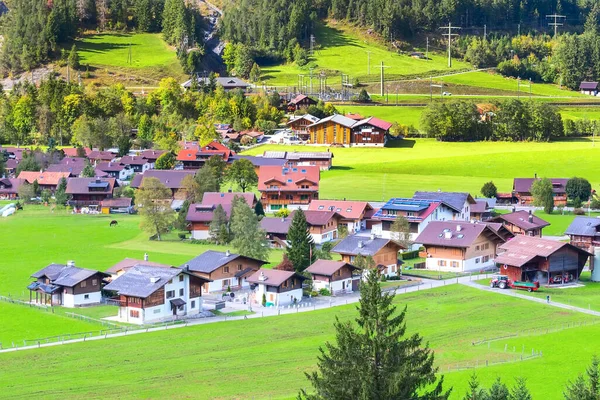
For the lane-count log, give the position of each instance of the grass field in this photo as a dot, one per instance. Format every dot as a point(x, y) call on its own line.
point(344, 50)
point(209, 362)
point(559, 222)
point(377, 174)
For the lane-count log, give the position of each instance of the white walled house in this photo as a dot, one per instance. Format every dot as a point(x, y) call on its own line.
point(354, 213)
point(460, 202)
point(461, 246)
point(223, 270)
point(280, 288)
point(152, 294)
point(335, 276)
point(66, 285)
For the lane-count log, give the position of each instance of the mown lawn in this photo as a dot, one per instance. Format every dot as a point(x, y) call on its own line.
point(344, 50)
point(559, 222)
point(208, 361)
point(402, 115)
point(376, 174)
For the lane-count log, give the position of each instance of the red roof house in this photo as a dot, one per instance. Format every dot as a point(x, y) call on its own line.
point(286, 187)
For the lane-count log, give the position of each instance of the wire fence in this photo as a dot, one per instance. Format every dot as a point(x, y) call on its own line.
point(27, 303)
point(488, 363)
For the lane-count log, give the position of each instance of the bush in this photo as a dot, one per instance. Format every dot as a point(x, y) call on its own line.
point(394, 278)
point(595, 203)
point(264, 300)
point(383, 278)
point(282, 213)
point(408, 255)
point(579, 211)
point(182, 235)
point(201, 241)
point(324, 292)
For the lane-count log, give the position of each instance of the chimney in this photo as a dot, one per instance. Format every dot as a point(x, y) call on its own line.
point(458, 228)
point(535, 175)
point(372, 236)
point(145, 256)
point(262, 277)
point(154, 279)
point(360, 244)
point(187, 267)
point(282, 219)
point(530, 219)
point(514, 209)
point(448, 235)
point(227, 253)
point(70, 263)
point(229, 190)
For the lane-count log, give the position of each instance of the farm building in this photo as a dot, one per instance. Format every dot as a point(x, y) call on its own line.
point(354, 213)
point(589, 88)
point(278, 288)
point(584, 232)
point(90, 191)
point(531, 259)
point(200, 215)
point(322, 159)
point(335, 276)
point(9, 187)
point(522, 191)
point(66, 285)
point(522, 223)
point(291, 188)
point(419, 214)
point(459, 246)
point(370, 132)
point(151, 294)
point(299, 125)
point(121, 205)
point(46, 180)
point(300, 101)
point(335, 129)
point(169, 178)
point(223, 270)
point(383, 251)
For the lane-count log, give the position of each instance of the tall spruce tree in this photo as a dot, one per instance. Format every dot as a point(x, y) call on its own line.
point(60, 196)
point(383, 363)
point(585, 389)
point(259, 210)
point(300, 243)
point(219, 231)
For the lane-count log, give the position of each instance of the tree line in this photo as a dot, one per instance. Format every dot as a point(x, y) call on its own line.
point(35, 31)
point(507, 120)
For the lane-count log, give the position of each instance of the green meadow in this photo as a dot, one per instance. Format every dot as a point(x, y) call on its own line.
point(377, 174)
point(259, 358)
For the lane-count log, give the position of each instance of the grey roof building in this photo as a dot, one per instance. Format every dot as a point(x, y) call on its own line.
point(64, 275)
point(360, 245)
point(456, 200)
point(142, 280)
point(584, 232)
point(212, 260)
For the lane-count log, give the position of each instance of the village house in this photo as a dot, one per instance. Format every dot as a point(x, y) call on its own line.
point(383, 251)
point(299, 125)
point(170, 178)
point(66, 285)
point(72, 151)
point(73, 165)
point(335, 276)
point(200, 215)
point(258, 162)
point(370, 132)
point(459, 246)
point(121, 205)
point(522, 190)
point(46, 180)
point(322, 159)
point(9, 187)
point(533, 259)
point(101, 156)
point(335, 129)
point(354, 213)
point(10, 166)
point(480, 211)
point(460, 202)
point(584, 232)
point(276, 229)
point(522, 223)
point(322, 225)
point(194, 158)
point(276, 287)
point(589, 88)
point(223, 270)
point(86, 192)
point(115, 170)
point(291, 188)
point(138, 164)
point(228, 83)
point(255, 135)
point(127, 263)
point(152, 294)
point(418, 213)
point(300, 101)
point(152, 155)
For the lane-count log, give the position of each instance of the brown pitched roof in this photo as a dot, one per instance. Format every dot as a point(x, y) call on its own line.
point(521, 220)
point(170, 178)
point(328, 267)
point(152, 155)
point(522, 249)
point(43, 178)
point(274, 277)
point(83, 185)
point(227, 197)
point(10, 185)
point(459, 234)
point(320, 218)
point(479, 207)
point(347, 209)
point(523, 185)
point(134, 160)
point(276, 224)
point(128, 263)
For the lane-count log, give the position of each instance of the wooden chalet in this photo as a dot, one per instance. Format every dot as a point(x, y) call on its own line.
point(46, 180)
point(9, 187)
point(278, 288)
point(584, 232)
point(370, 132)
point(288, 187)
point(194, 158)
point(335, 129)
point(169, 178)
point(522, 223)
point(86, 192)
point(383, 251)
point(322, 159)
point(335, 276)
point(354, 213)
point(522, 191)
point(299, 125)
point(300, 101)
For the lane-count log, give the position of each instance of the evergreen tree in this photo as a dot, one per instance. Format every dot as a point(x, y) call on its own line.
point(181, 221)
point(219, 231)
point(300, 244)
point(28, 163)
point(585, 389)
point(207, 180)
point(218, 165)
point(74, 58)
point(248, 238)
point(498, 391)
point(36, 188)
point(258, 209)
point(520, 391)
point(475, 391)
point(60, 195)
point(383, 363)
point(255, 73)
point(88, 171)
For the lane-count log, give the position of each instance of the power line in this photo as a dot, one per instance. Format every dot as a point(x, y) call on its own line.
point(449, 35)
point(381, 77)
point(555, 24)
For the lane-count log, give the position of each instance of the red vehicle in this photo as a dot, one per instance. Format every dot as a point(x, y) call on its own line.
point(529, 286)
point(503, 282)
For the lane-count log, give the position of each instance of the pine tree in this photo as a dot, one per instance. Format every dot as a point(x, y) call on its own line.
point(88, 171)
point(219, 232)
point(36, 188)
point(60, 196)
point(475, 391)
point(300, 243)
point(258, 209)
point(498, 391)
point(582, 389)
point(520, 391)
point(74, 58)
point(248, 238)
point(383, 363)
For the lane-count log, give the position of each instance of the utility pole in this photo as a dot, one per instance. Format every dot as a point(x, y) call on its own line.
point(312, 44)
point(381, 77)
point(427, 50)
point(368, 62)
point(449, 35)
point(519, 29)
point(311, 77)
point(484, 32)
point(555, 24)
point(300, 82)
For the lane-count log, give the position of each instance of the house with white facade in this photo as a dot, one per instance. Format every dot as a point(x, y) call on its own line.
point(153, 294)
point(384, 252)
point(419, 213)
point(275, 287)
point(460, 202)
point(223, 270)
point(66, 285)
point(322, 225)
point(460, 246)
point(336, 276)
point(355, 214)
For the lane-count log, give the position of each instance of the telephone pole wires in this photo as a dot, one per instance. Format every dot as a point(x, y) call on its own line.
point(555, 24)
point(381, 77)
point(449, 35)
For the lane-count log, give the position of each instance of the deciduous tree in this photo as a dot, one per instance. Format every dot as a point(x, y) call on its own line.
point(400, 231)
point(154, 205)
point(543, 196)
point(489, 190)
point(242, 173)
point(165, 161)
point(578, 188)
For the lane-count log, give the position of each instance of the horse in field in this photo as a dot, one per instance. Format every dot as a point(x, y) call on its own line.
point(113, 223)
